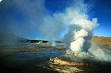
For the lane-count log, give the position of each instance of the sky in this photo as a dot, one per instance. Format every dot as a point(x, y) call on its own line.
point(25, 18)
point(101, 9)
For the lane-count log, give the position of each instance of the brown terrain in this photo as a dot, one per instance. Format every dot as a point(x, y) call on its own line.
point(102, 40)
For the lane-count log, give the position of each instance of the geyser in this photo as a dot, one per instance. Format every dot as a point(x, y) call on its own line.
point(81, 28)
point(80, 32)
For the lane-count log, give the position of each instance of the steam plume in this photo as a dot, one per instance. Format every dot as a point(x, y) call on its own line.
point(81, 28)
point(75, 19)
point(80, 31)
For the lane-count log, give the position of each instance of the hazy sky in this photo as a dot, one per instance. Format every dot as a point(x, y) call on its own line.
point(97, 8)
point(25, 17)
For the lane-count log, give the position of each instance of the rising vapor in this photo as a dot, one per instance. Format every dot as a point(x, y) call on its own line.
point(34, 19)
point(78, 38)
point(20, 19)
point(80, 31)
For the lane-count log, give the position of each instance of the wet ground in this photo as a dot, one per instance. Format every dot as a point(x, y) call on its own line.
point(27, 60)
point(36, 61)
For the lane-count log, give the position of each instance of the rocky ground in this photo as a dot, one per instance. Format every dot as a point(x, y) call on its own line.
point(63, 66)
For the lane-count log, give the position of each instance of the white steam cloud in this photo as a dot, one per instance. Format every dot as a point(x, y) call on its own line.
point(75, 19)
point(0, 0)
point(78, 38)
point(80, 28)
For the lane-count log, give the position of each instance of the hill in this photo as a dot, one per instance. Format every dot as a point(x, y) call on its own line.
point(102, 40)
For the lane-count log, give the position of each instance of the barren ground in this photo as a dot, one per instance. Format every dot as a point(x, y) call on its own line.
point(37, 60)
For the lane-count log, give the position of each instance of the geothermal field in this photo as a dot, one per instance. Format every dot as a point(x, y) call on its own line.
point(55, 36)
point(55, 59)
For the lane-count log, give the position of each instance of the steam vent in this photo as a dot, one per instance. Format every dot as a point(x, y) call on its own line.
point(77, 64)
point(55, 36)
